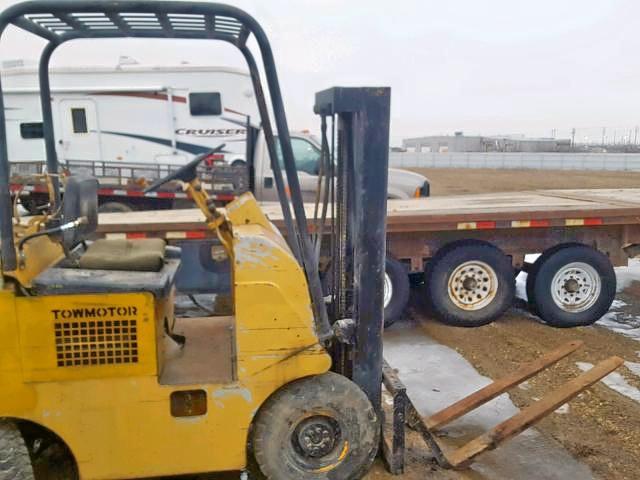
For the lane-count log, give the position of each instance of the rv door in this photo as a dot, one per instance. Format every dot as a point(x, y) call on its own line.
point(80, 133)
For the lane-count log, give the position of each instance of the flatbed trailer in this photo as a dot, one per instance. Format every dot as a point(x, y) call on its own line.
point(421, 233)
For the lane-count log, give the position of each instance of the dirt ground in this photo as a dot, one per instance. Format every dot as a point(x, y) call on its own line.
point(449, 181)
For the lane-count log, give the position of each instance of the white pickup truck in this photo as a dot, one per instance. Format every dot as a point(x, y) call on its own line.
point(306, 150)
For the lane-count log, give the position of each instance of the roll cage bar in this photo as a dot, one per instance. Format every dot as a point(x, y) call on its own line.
point(60, 21)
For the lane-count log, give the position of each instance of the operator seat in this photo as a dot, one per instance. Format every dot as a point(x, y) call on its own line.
point(106, 265)
point(140, 255)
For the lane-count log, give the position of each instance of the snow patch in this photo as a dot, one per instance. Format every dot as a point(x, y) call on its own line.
point(618, 304)
point(613, 323)
point(615, 382)
point(633, 367)
point(627, 275)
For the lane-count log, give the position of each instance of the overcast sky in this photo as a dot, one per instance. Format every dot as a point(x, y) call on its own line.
point(498, 66)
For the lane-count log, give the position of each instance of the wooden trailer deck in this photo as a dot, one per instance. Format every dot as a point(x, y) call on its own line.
point(529, 209)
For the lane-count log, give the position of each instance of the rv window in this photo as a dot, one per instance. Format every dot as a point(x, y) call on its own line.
point(205, 103)
point(31, 130)
point(79, 120)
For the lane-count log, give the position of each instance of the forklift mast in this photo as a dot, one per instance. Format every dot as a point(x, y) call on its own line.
point(357, 168)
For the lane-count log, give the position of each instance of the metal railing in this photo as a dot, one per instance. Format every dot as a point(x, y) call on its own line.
point(222, 178)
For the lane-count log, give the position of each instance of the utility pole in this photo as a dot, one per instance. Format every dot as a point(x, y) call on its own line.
point(573, 137)
point(604, 135)
point(635, 136)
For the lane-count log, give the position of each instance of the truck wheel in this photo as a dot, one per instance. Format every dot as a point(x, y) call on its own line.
point(15, 462)
point(115, 207)
point(317, 428)
point(469, 284)
point(396, 290)
point(573, 286)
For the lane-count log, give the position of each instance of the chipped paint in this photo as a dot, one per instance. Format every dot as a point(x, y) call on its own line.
point(245, 393)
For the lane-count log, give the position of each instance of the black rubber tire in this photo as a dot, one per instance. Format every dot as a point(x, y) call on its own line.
point(401, 289)
point(444, 264)
point(239, 163)
point(400, 285)
point(533, 272)
point(115, 207)
point(329, 396)
point(550, 264)
point(15, 462)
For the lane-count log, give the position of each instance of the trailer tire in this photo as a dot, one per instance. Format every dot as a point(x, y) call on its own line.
point(469, 284)
point(573, 286)
point(317, 428)
point(397, 288)
point(396, 291)
point(115, 207)
point(533, 273)
point(15, 461)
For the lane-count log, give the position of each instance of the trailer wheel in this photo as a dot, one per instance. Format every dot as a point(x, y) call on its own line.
point(533, 273)
point(15, 462)
point(316, 428)
point(573, 286)
point(115, 207)
point(469, 284)
point(396, 290)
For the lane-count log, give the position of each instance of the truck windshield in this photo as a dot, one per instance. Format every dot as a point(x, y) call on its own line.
point(306, 154)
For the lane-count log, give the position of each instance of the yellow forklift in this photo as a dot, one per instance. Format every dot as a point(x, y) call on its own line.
point(99, 380)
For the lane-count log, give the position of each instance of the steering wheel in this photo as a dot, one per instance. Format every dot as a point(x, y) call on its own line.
point(186, 173)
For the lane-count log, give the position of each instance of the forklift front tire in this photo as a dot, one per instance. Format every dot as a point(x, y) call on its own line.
point(317, 428)
point(15, 462)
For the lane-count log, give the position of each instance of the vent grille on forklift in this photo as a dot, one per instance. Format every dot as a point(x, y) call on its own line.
point(101, 342)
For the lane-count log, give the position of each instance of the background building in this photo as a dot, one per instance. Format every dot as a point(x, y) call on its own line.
point(462, 143)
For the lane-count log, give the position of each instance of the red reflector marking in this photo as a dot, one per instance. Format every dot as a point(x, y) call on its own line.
point(134, 235)
point(166, 195)
point(135, 193)
point(195, 234)
point(540, 223)
point(485, 225)
point(593, 221)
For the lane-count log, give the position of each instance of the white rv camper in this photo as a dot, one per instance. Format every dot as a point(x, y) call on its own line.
point(146, 115)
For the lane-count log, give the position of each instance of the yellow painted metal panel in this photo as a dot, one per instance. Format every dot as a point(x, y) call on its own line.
point(72, 337)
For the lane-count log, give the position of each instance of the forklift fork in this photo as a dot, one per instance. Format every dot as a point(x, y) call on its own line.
point(405, 413)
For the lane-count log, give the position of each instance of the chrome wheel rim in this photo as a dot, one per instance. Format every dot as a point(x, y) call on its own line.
point(473, 285)
point(576, 287)
point(388, 290)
